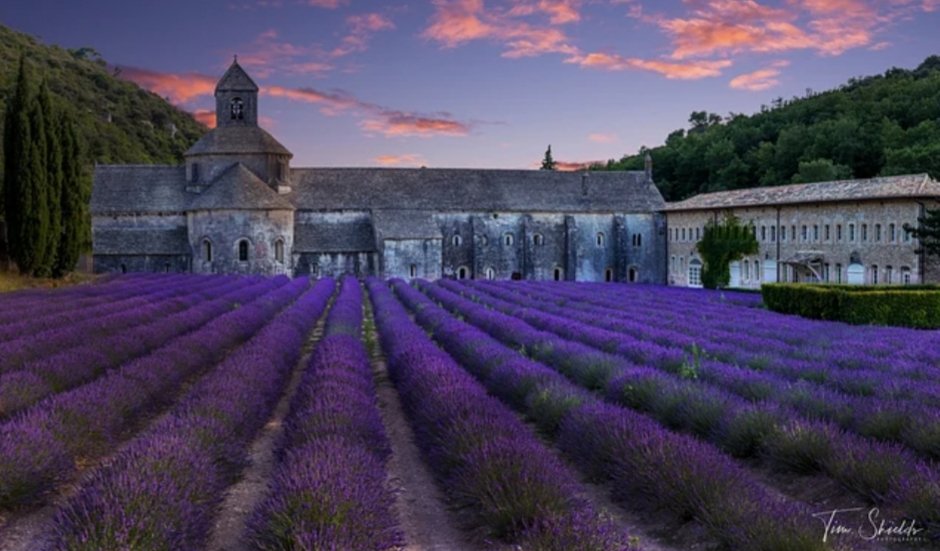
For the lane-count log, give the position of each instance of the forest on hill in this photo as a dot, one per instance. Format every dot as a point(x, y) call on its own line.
point(873, 126)
point(118, 122)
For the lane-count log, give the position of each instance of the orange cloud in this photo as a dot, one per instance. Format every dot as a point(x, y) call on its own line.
point(559, 12)
point(672, 70)
point(361, 29)
point(573, 166)
point(409, 159)
point(762, 79)
point(179, 88)
point(205, 116)
point(599, 137)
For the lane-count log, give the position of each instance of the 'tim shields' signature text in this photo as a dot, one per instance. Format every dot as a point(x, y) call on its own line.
point(873, 527)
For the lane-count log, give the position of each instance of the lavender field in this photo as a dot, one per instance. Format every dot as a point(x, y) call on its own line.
point(174, 412)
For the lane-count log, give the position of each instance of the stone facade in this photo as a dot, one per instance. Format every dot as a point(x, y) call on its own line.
point(852, 236)
point(236, 206)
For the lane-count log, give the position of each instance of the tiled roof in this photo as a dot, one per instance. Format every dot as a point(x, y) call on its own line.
point(334, 237)
point(888, 187)
point(405, 224)
point(138, 188)
point(141, 241)
point(235, 140)
point(472, 189)
point(235, 78)
point(239, 188)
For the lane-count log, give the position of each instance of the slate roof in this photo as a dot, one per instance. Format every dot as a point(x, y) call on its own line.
point(888, 187)
point(235, 78)
point(334, 237)
point(132, 241)
point(237, 140)
point(405, 224)
point(238, 188)
point(472, 189)
point(138, 188)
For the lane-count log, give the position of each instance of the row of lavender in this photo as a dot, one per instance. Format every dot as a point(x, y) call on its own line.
point(643, 461)
point(162, 488)
point(329, 489)
point(44, 443)
point(489, 462)
point(882, 415)
point(881, 472)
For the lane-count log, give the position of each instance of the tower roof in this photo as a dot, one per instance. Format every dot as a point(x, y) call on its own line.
point(239, 188)
point(235, 78)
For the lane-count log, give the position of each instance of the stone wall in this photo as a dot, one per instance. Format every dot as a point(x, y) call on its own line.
point(140, 263)
point(412, 258)
point(335, 264)
point(225, 229)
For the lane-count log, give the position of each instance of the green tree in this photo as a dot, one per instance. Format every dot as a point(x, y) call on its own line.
point(75, 195)
point(548, 163)
point(722, 243)
point(821, 170)
point(54, 177)
point(928, 232)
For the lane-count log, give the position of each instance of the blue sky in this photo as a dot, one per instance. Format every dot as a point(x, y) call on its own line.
point(467, 83)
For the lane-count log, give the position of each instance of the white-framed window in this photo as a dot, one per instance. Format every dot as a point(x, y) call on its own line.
point(600, 239)
point(803, 233)
point(243, 250)
point(838, 232)
point(838, 273)
point(457, 241)
point(816, 232)
point(763, 233)
point(825, 272)
point(207, 250)
point(877, 233)
point(889, 275)
point(279, 250)
point(773, 234)
point(489, 273)
point(683, 234)
point(826, 235)
point(783, 233)
point(747, 270)
point(874, 274)
point(757, 270)
point(672, 264)
point(907, 234)
point(892, 233)
point(851, 233)
point(695, 273)
point(508, 239)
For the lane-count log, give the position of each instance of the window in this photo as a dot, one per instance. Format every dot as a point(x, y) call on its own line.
point(773, 233)
point(608, 275)
point(763, 233)
point(279, 250)
point(557, 274)
point(826, 232)
point(600, 239)
point(905, 275)
point(698, 234)
point(825, 272)
point(413, 271)
point(457, 241)
point(166, 267)
point(123, 268)
point(538, 240)
point(747, 270)
point(484, 240)
point(681, 263)
point(695, 273)
point(889, 275)
point(892, 233)
point(852, 232)
point(508, 239)
point(816, 232)
point(838, 273)
point(489, 273)
point(672, 264)
point(462, 272)
point(683, 234)
point(803, 234)
point(838, 232)
point(637, 239)
point(757, 270)
point(793, 232)
point(633, 275)
point(243, 250)
point(874, 274)
point(864, 232)
point(877, 233)
point(237, 108)
point(207, 250)
point(907, 234)
point(783, 233)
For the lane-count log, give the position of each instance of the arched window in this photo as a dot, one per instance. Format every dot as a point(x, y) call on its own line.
point(557, 274)
point(489, 273)
point(413, 271)
point(600, 239)
point(462, 272)
point(484, 240)
point(608, 275)
point(243, 250)
point(757, 270)
point(279, 250)
point(207, 250)
point(874, 274)
point(633, 275)
point(123, 268)
point(889, 274)
point(508, 239)
point(892, 234)
point(905, 275)
point(747, 270)
point(237, 109)
point(457, 241)
point(538, 240)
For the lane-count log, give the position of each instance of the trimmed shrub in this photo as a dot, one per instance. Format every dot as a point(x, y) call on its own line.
point(917, 307)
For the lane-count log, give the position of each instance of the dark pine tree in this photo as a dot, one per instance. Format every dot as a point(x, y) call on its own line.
point(548, 163)
point(35, 195)
point(54, 177)
point(928, 232)
point(74, 200)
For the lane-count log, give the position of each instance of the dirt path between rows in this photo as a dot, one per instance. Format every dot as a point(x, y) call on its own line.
point(228, 532)
point(422, 509)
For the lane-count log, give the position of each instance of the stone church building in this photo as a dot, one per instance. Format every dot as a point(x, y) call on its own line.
point(237, 206)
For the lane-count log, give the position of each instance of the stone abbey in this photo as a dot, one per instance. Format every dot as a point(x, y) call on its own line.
point(237, 206)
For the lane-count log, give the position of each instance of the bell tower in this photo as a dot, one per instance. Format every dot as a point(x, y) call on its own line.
point(236, 98)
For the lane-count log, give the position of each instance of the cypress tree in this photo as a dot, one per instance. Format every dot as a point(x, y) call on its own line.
point(34, 198)
point(15, 152)
point(54, 177)
point(74, 200)
point(548, 163)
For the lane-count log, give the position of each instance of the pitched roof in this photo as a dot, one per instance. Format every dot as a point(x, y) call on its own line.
point(473, 189)
point(405, 224)
point(234, 140)
point(141, 241)
point(888, 187)
point(238, 188)
point(138, 188)
point(334, 236)
point(235, 78)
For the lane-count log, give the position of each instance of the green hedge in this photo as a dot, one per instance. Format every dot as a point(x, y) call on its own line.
point(917, 307)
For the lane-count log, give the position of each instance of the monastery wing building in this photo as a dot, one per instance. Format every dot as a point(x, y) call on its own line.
point(237, 206)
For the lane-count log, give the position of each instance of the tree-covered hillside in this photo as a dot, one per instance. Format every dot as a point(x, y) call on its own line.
point(879, 125)
point(118, 121)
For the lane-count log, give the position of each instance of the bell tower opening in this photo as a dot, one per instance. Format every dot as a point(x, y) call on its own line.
point(236, 97)
point(237, 109)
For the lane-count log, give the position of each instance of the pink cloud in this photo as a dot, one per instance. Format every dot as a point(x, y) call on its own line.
point(762, 79)
point(361, 29)
point(180, 88)
point(205, 116)
point(691, 70)
point(408, 159)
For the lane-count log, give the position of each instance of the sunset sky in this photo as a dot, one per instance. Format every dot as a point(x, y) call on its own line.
point(468, 83)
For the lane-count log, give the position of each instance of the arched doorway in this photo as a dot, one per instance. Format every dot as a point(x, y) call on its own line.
point(462, 272)
point(633, 275)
